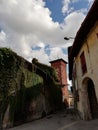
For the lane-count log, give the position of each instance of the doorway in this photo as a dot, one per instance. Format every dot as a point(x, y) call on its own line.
point(92, 99)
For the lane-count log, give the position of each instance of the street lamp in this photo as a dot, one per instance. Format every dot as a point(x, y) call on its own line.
point(68, 38)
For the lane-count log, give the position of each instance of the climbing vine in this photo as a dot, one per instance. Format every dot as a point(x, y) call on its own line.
point(20, 83)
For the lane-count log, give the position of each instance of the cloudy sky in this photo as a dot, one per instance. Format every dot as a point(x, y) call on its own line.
point(36, 28)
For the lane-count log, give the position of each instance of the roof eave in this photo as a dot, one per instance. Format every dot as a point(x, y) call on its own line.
point(82, 33)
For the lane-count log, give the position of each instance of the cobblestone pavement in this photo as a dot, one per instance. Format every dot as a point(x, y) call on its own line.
point(59, 121)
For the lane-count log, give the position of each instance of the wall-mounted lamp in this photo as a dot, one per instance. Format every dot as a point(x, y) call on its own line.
point(68, 38)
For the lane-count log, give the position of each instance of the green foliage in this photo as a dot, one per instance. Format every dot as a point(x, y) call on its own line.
point(52, 84)
point(12, 102)
point(49, 71)
point(7, 59)
point(18, 85)
point(34, 92)
point(24, 97)
point(3, 107)
point(56, 96)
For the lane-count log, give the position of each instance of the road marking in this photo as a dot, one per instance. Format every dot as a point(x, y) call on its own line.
point(66, 126)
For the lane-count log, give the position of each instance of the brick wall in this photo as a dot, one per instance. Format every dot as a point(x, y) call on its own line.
point(60, 67)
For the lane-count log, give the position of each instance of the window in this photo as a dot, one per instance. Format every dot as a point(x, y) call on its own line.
point(83, 63)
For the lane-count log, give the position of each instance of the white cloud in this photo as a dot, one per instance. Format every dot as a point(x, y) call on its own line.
point(40, 55)
point(24, 16)
point(72, 23)
point(65, 8)
point(56, 53)
point(2, 38)
point(28, 23)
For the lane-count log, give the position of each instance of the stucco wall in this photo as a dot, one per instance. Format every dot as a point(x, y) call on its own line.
point(90, 48)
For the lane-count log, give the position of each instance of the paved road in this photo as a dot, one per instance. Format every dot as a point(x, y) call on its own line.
point(59, 121)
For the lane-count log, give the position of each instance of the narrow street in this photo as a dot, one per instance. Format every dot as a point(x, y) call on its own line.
point(59, 121)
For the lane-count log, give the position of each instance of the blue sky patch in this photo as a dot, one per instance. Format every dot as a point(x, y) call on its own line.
point(55, 6)
point(47, 50)
point(36, 48)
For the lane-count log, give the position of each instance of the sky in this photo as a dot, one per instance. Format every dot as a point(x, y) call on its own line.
point(36, 28)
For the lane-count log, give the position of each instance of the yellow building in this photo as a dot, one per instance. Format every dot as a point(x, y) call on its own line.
point(83, 65)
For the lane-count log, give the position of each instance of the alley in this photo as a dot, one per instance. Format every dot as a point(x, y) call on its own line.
point(59, 121)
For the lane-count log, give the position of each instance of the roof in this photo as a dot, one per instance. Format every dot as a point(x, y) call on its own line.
point(82, 33)
point(58, 60)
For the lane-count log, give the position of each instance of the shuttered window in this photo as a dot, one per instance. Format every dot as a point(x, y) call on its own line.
point(83, 63)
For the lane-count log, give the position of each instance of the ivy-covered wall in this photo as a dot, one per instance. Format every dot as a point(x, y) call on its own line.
point(27, 90)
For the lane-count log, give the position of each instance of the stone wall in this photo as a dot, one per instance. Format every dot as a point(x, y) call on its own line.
point(25, 92)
